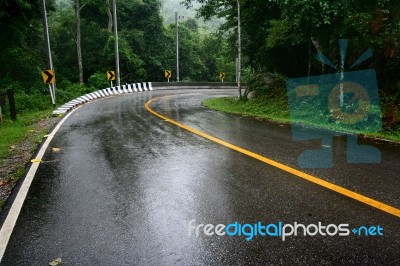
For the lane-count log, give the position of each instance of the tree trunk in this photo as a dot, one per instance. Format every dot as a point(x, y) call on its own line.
point(319, 48)
point(78, 40)
point(110, 18)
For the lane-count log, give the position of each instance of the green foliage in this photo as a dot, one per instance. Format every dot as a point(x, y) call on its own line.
point(272, 85)
point(276, 109)
point(202, 57)
point(131, 65)
point(62, 32)
point(20, 41)
point(72, 91)
point(31, 102)
point(146, 47)
point(38, 98)
point(12, 132)
point(98, 81)
point(278, 37)
point(217, 57)
point(283, 36)
point(279, 34)
point(262, 107)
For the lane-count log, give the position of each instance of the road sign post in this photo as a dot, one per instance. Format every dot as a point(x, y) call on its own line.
point(48, 50)
point(222, 76)
point(168, 74)
point(49, 77)
point(110, 76)
point(52, 95)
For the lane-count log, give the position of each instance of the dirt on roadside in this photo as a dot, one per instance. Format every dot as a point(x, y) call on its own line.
point(13, 167)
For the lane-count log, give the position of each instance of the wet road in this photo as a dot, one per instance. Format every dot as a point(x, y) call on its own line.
point(126, 184)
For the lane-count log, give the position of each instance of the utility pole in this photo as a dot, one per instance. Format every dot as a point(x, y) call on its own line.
point(48, 50)
point(116, 44)
point(343, 49)
point(177, 46)
point(341, 97)
point(239, 51)
point(79, 39)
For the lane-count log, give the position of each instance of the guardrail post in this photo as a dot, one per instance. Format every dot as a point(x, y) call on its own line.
point(2, 103)
point(11, 100)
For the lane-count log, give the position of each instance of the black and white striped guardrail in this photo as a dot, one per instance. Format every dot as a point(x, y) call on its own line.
point(140, 87)
point(124, 89)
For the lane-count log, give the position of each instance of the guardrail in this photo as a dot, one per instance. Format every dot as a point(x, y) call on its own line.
point(140, 87)
point(196, 85)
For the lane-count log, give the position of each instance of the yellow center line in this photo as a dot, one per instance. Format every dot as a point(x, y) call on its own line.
point(341, 190)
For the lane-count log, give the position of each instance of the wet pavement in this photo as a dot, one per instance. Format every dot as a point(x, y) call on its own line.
point(125, 185)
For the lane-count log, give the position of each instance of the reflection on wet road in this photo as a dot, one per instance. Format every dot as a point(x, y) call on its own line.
point(126, 184)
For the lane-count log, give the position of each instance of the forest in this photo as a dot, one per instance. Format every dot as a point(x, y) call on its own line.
point(146, 47)
point(280, 37)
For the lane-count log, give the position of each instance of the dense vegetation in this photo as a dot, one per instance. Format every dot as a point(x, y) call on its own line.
point(279, 37)
point(283, 36)
point(146, 45)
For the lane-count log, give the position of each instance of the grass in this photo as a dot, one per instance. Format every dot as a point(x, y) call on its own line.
point(13, 132)
point(276, 109)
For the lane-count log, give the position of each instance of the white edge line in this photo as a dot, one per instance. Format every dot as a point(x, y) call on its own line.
point(11, 219)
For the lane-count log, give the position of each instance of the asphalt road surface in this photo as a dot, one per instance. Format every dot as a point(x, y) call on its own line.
point(127, 187)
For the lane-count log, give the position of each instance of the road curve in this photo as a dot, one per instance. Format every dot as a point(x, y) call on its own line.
point(126, 185)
